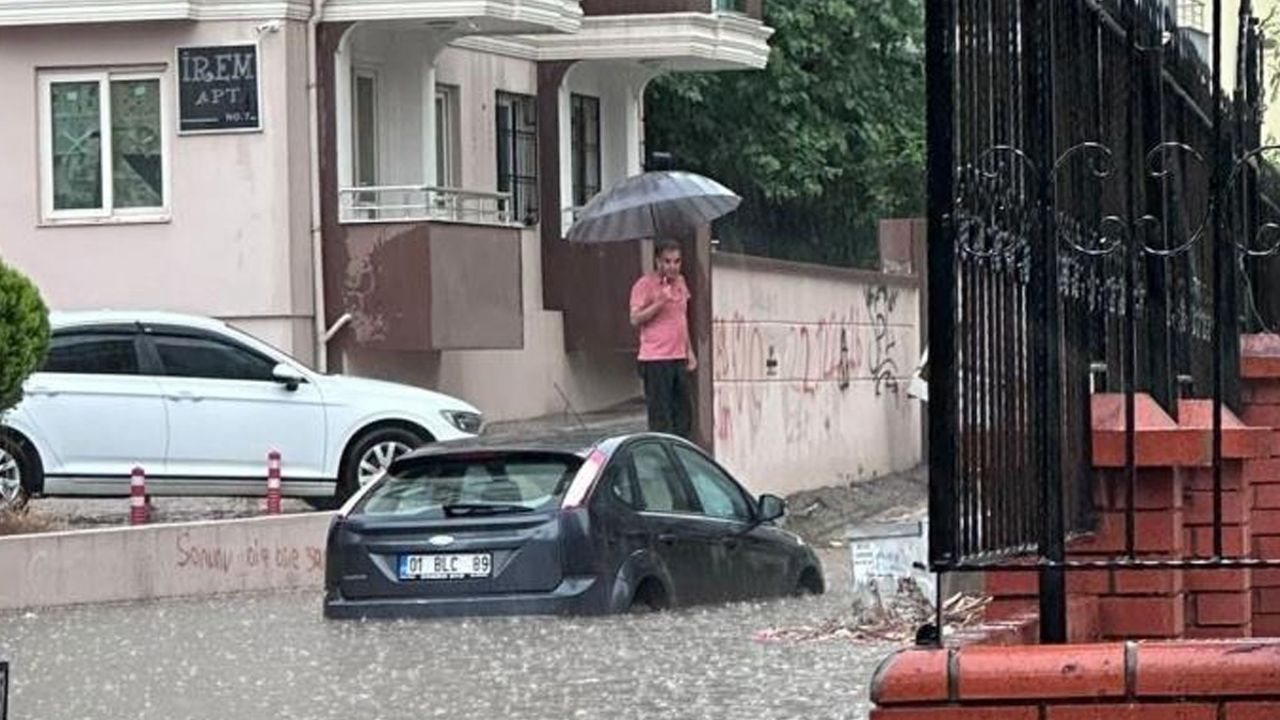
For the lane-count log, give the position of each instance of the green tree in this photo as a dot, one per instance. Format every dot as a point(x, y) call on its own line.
point(24, 334)
point(821, 144)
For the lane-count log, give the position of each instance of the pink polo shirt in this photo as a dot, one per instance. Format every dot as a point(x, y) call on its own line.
point(666, 335)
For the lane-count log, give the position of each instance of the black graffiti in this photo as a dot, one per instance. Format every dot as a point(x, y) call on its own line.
point(844, 360)
point(884, 371)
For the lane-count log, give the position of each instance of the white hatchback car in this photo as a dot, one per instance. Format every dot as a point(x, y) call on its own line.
point(198, 405)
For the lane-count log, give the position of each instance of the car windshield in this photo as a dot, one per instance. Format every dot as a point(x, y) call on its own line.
point(472, 485)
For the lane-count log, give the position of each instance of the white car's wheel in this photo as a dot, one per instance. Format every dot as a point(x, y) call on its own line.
point(371, 454)
point(377, 459)
point(19, 469)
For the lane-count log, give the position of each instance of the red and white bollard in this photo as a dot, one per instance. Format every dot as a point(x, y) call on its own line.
point(273, 482)
point(138, 510)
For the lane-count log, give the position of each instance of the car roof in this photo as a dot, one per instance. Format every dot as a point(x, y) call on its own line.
point(579, 443)
point(503, 445)
point(73, 318)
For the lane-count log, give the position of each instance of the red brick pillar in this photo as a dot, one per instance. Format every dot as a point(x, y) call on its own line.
point(1260, 370)
point(1140, 603)
point(1220, 602)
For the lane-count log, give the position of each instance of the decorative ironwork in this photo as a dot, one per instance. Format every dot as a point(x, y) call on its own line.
point(1094, 205)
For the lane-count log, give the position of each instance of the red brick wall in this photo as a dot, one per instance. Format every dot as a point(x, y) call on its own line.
point(1260, 366)
point(1153, 680)
point(996, 672)
point(1173, 502)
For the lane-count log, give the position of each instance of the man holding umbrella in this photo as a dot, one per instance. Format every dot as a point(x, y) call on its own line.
point(660, 309)
point(659, 204)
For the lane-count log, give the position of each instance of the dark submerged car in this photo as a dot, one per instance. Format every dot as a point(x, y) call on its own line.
point(638, 522)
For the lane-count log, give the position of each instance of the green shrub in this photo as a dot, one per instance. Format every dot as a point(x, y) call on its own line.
point(24, 333)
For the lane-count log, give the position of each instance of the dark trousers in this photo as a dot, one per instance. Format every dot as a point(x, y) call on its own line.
point(666, 393)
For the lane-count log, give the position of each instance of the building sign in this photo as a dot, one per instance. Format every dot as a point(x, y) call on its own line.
point(218, 89)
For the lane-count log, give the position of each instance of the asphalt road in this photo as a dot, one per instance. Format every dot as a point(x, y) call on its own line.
point(274, 656)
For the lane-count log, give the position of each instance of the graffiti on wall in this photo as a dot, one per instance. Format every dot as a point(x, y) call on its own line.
point(253, 556)
point(810, 368)
point(884, 369)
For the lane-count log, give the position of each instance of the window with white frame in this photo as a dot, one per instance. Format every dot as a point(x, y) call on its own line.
point(447, 137)
point(104, 152)
point(585, 147)
point(364, 129)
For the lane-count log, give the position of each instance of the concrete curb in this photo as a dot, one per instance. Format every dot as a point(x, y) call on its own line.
point(162, 561)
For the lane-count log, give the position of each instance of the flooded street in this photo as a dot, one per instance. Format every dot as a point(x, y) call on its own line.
point(273, 656)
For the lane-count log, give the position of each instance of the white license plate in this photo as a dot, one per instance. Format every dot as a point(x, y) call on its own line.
point(455, 566)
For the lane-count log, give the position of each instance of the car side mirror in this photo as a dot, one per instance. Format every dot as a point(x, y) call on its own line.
point(287, 376)
point(771, 507)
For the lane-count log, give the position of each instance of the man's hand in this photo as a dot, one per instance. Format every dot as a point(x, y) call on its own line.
point(691, 363)
point(647, 313)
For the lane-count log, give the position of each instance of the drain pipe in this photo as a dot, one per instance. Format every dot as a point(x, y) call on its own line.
point(317, 248)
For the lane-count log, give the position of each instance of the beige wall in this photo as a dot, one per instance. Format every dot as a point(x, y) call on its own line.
point(479, 76)
point(160, 561)
point(792, 426)
point(237, 243)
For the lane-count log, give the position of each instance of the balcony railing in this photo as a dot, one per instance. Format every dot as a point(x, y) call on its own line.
point(412, 203)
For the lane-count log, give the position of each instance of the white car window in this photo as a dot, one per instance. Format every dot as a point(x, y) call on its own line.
point(209, 358)
point(92, 353)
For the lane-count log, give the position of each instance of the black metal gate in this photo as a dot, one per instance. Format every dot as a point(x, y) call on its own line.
point(1098, 220)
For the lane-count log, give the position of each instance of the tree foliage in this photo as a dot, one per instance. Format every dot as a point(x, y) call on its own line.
point(24, 333)
point(821, 144)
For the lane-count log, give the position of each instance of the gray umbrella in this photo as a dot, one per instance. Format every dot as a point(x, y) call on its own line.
point(646, 205)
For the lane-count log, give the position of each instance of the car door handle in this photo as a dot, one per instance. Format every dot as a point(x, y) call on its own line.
point(729, 542)
point(667, 538)
point(184, 395)
point(39, 390)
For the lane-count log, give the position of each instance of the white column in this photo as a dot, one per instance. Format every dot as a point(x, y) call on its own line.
point(343, 109)
point(429, 119)
point(565, 133)
point(638, 82)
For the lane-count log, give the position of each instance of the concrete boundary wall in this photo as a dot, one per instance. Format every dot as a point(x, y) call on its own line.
point(163, 561)
point(811, 367)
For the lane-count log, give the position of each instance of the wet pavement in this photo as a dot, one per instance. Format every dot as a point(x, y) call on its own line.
point(274, 656)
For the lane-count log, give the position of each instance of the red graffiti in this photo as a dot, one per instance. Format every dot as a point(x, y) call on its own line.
point(802, 369)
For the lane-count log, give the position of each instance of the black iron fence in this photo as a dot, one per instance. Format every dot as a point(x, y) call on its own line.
point(1100, 220)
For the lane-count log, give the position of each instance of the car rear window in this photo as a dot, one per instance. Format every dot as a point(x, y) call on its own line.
point(468, 484)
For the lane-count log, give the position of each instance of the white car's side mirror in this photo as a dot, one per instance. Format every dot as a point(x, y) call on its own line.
point(287, 376)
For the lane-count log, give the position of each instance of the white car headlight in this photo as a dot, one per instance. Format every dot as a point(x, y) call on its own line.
point(467, 422)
